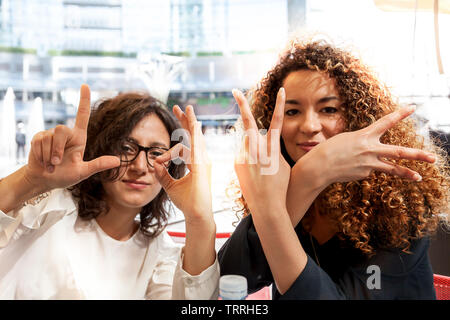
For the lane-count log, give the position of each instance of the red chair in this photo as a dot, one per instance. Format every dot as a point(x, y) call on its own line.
point(442, 286)
point(177, 234)
point(180, 237)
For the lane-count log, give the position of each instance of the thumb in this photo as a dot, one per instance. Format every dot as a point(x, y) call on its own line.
point(100, 164)
point(163, 176)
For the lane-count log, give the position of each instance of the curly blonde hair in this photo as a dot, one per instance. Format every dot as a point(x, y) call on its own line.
point(380, 211)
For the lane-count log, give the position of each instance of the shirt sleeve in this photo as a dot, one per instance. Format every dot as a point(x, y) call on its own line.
point(390, 274)
point(313, 284)
point(32, 215)
point(170, 281)
point(204, 286)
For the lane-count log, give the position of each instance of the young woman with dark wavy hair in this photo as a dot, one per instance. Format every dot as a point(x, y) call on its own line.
point(85, 218)
point(357, 193)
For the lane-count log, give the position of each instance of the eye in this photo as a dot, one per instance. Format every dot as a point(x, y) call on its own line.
point(128, 148)
point(291, 112)
point(156, 153)
point(329, 110)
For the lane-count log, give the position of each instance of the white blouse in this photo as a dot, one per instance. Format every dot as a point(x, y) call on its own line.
point(48, 252)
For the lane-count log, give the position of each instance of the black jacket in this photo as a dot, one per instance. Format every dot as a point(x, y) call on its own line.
point(344, 273)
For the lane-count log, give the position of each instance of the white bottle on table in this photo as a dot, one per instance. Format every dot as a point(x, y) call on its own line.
point(232, 287)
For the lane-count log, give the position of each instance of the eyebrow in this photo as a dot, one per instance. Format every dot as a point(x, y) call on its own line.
point(153, 144)
point(327, 99)
point(321, 100)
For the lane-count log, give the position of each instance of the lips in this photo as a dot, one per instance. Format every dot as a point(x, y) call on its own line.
point(307, 146)
point(136, 184)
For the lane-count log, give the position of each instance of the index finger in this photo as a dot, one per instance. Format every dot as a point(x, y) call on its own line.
point(181, 116)
point(84, 108)
point(390, 120)
point(197, 139)
point(278, 112)
point(247, 117)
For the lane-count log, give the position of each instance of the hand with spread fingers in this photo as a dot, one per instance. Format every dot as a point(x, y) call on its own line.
point(354, 155)
point(351, 156)
point(192, 193)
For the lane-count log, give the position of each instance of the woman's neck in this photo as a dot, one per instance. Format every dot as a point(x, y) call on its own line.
point(118, 224)
point(323, 229)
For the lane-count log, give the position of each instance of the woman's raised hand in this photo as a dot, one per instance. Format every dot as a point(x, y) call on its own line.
point(56, 155)
point(262, 171)
point(191, 193)
point(350, 156)
point(265, 193)
point(354, 155)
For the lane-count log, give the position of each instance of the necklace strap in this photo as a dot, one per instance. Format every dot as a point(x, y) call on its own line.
point(314, 249)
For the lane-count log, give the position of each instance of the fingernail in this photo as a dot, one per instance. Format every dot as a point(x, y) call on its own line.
point(417, 177)
point(431, 158)
point(55, 160)
point(412, 108)
point(50, 168)
point(282, 92)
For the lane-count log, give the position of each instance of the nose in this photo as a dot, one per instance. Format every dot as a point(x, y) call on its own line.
point(140, 163)
point(310, 123)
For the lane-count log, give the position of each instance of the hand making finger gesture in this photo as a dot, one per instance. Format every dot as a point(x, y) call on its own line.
point(354, 155)
point(350, 156)
point(262, 171)
point(56, 155)
point(191, 193)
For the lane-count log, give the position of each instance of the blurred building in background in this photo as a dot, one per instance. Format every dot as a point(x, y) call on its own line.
point(49, 47)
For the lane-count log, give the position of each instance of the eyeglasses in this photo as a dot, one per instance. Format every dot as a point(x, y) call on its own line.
point(129, 151)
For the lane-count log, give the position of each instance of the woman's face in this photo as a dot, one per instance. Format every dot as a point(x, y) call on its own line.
point(138, 185)
point(313, 111)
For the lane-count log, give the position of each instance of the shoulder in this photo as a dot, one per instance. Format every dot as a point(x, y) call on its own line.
point(397, 262)
point(57, 202)
point(394, 274)
point(54, 200)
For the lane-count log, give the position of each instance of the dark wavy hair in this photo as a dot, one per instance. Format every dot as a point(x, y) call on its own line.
point(111, 121)
point(380, 211)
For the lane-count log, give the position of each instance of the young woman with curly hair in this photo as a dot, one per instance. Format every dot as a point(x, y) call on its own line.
point(357, 193)
point(84, 219)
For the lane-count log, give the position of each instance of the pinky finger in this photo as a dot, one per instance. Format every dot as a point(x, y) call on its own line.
point(397, 170)
point(397, 152)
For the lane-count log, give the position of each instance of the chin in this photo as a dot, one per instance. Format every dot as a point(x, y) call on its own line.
point(295, 156)
point(300, 156)
point(137, 201)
